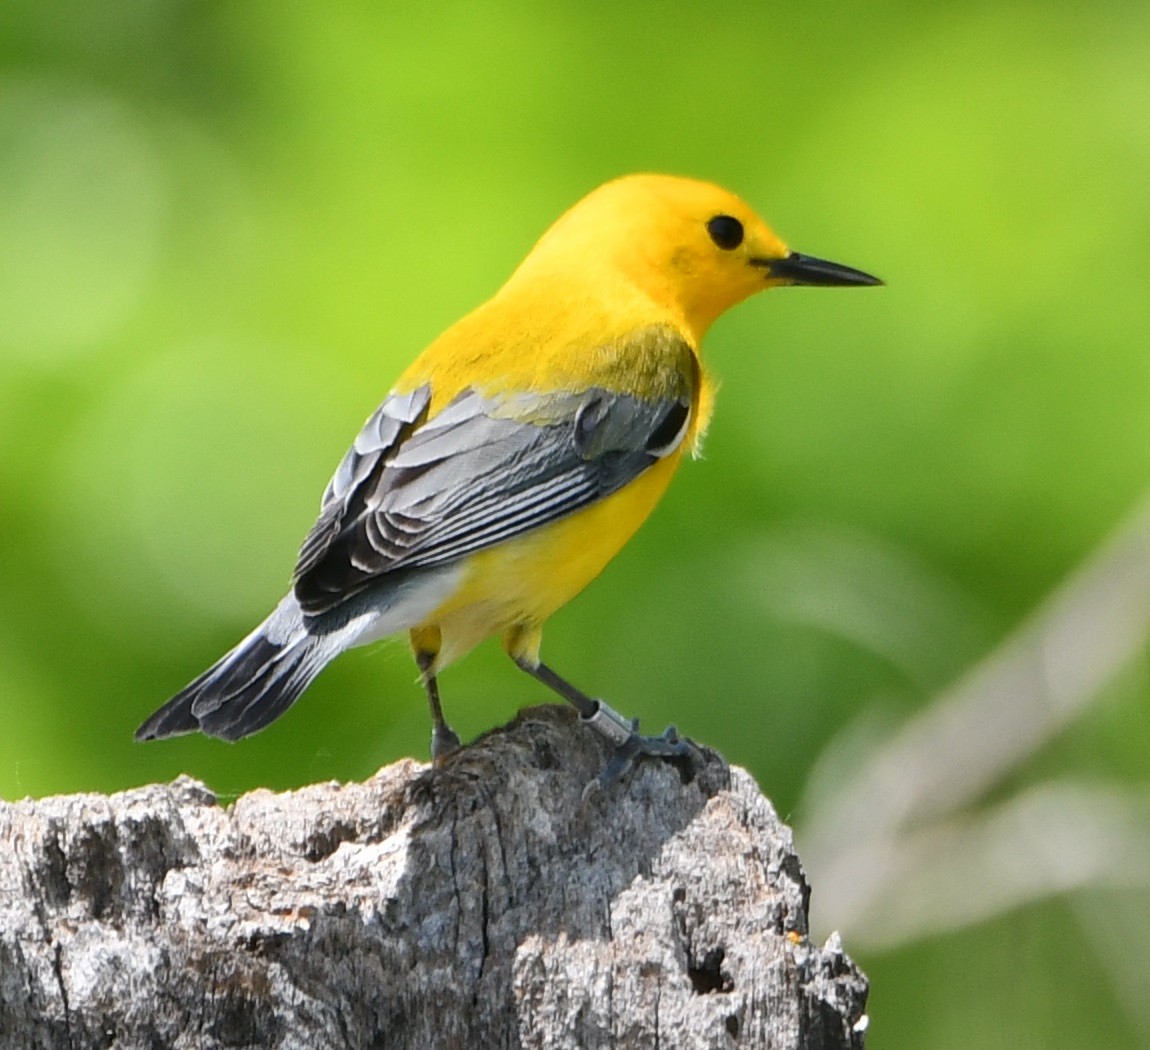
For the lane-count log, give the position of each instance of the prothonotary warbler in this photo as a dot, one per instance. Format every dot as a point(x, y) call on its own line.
point(515, 457)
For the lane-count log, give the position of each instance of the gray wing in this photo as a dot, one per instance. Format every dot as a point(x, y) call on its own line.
point(412, 494)
point(342, 502)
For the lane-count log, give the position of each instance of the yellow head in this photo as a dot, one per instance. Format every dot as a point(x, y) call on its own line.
point(689, 246)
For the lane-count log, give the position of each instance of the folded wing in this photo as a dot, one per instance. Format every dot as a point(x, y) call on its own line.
point(415, 492)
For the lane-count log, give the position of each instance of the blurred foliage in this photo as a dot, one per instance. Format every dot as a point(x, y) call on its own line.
point(224, 228)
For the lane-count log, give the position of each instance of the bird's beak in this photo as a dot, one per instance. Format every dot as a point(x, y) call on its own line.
point(806, 269)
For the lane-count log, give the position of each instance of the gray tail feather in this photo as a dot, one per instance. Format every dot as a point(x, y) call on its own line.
point(251, 686)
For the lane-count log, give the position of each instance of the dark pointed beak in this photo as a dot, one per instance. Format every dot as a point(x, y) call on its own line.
point(806, 269)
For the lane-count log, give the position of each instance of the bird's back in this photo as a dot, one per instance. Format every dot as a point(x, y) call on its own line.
point(569, 334)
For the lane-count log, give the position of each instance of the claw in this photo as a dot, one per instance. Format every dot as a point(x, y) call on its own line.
point(669, 747)
point(631, 746)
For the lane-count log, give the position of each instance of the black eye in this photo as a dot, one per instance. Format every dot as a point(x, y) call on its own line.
point(726, 231)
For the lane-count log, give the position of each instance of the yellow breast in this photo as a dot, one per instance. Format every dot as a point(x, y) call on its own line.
point(571, 332)
point(522, 582)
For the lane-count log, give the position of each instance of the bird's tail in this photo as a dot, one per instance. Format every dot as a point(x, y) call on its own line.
point(251, 686)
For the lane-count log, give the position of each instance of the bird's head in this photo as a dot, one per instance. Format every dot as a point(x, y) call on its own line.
point(688, 245)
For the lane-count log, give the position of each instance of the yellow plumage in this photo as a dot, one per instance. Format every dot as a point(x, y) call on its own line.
point(516, 455)
point(516, 586)
point(570, 319)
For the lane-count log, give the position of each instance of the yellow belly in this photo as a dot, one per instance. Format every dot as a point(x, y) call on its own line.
point(522, 582)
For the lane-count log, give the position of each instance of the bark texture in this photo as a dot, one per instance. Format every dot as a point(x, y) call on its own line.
point(485, 904)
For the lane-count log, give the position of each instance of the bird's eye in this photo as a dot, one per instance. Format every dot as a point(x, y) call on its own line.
point(726, 231)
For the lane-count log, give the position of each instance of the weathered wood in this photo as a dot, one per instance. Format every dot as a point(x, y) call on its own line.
point(486, 904)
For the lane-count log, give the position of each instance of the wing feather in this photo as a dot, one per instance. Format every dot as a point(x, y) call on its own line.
point(383, 432)
point(415, 492)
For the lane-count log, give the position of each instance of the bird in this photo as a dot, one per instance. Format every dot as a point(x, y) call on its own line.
point(514, 458)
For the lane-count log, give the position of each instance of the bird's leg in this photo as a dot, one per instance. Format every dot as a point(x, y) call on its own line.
point(522, 646)
point(621, 731)
point(425, 644)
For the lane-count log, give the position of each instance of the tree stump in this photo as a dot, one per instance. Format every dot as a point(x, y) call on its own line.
point(489, 903)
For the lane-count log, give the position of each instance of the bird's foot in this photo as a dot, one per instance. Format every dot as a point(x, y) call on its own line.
point(630, 747)
point(444, 743)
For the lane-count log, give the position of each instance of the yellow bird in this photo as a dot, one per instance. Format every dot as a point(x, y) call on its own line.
point(515, 457)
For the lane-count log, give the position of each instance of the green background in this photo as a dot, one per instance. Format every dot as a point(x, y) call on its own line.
point(225, 228)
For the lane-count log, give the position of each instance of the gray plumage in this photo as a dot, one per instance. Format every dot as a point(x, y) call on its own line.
point(481, 472)
point(410, 500)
